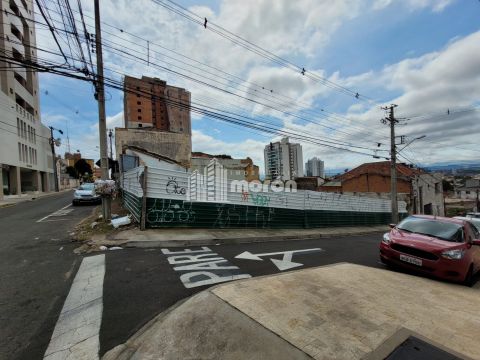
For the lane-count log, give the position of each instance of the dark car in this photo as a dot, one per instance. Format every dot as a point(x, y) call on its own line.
point(442, 247)
point(86, 194)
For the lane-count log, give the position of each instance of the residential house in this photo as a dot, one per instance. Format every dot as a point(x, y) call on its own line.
point(423, 192)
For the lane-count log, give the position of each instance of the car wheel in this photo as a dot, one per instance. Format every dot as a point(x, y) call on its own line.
point(469, 277)
point(384, 262)
point(74, 203)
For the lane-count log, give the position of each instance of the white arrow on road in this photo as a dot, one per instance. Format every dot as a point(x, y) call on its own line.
point(284, 264)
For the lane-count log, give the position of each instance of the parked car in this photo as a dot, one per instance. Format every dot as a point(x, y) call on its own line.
point(473, 215)
point(86, 194)
point(474, 221)
point(446, 248)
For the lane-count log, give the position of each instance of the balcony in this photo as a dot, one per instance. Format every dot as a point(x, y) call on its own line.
point(21, 72)
point(18, 47)
point(17, 23)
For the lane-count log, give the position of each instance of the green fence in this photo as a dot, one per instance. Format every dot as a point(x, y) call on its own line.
point(178, 213)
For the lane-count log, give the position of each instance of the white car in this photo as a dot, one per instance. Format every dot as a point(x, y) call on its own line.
point(86, 194)
point(474, 221)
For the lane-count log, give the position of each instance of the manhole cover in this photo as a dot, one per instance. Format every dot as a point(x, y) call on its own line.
point(415, 349)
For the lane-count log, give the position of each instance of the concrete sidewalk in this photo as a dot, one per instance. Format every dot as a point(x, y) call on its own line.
point(342, 311)
point(195, 237)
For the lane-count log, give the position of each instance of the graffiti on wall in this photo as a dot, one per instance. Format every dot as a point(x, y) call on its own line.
point(172, 187)
point(168, 211)
point(259, 199)
point(229, 215)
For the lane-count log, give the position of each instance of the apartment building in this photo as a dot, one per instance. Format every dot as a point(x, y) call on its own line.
point(283, 160)
point(315, 167)
point(157, 119)
point(151, 103)
point(236, 169)
point(25, 153)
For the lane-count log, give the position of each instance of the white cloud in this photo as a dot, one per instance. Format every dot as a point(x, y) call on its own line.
point(435, 5)
point(247, 148)
point(434, 82)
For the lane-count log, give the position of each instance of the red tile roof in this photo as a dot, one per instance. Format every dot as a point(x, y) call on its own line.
point(379, 168)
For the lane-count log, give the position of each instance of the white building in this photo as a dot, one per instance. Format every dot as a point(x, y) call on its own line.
point(428, 194)
point(470, 191)
point(25, 153)
point(315, 167)
point(236, 169)
point(283, 160)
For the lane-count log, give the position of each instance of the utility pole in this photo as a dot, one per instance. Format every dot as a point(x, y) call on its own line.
point(393, 161)
point(102, 125)
point(478, 203)
point(52, 144)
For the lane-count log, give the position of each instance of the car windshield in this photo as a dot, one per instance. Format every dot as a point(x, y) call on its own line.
point(87, 187)
point(439, 229)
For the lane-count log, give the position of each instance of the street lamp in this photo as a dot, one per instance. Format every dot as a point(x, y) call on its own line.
point(411, 141)
point(54, 142)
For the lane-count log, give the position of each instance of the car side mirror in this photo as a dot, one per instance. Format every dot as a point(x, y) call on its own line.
point(392, 225)
point(476, 242)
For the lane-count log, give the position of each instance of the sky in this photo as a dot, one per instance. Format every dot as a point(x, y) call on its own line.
point(422, 55)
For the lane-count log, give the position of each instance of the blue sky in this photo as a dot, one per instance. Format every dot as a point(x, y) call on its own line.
point(422, 55)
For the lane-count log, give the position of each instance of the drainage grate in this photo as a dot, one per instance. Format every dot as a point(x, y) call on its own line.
point(415, 349)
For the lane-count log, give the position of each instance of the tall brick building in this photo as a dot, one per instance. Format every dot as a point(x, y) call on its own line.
point(157, 119)
point(151, 103)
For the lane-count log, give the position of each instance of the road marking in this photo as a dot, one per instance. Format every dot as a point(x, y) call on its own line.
point(60, 212)
point(203, 267)
point(76, 334)
point(284, 264)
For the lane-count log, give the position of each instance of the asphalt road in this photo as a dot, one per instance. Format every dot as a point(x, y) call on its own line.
point(140, 283)
point(36, 267)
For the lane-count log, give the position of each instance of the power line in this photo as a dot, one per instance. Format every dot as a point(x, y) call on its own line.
point(250, 46)
point(271, 92)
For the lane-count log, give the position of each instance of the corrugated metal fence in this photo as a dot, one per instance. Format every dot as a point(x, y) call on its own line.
point(179, 199)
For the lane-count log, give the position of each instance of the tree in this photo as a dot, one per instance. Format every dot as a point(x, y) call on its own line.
point(83, 167)
point(70, 170)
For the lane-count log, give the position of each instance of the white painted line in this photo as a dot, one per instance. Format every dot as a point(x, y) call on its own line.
point(76, 334)
point(52, 214)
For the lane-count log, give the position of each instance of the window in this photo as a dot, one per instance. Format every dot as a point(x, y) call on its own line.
point(19, 152)
point(18, 126)
point(139, 118)
point(139, 110)
point(139, 103)
point(140, 125)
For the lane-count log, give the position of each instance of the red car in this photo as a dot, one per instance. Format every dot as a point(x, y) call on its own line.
point(442, 247)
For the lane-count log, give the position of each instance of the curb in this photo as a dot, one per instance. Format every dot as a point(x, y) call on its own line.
point(7, 205)
point(230, 241)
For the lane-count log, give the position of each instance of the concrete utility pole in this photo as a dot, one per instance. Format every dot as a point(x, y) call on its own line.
point(102, 125)
point(52, 144)
point(393, 161)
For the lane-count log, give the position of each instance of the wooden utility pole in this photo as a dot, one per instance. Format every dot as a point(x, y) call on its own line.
point(102, 125)
point(393, 161)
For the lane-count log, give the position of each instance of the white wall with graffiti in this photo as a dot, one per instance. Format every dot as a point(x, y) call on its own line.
point(168, 184)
